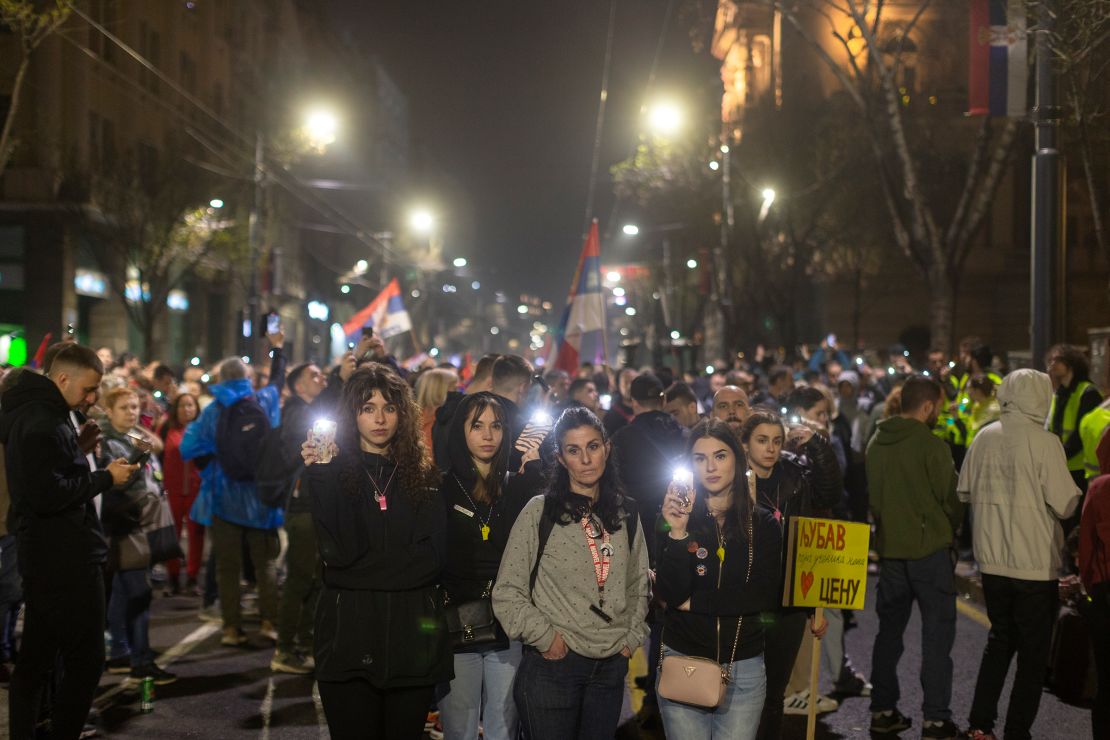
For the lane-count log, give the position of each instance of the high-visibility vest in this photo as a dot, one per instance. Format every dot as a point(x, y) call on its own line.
point(1091, 428)
point(966, 409)
point(1070, 424)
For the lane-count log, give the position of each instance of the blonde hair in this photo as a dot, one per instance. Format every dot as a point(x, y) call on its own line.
point(113, 396)
point(432, 387)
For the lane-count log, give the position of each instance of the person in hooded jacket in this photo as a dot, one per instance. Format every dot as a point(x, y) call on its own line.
point(480, 381)
point(1016, 478)
point(381, 643)
point(230, 508)
point(60, 543)
point(482, 500)
point(802, 481)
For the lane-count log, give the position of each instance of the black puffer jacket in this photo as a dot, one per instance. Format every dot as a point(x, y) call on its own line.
point(647, 451)
point(51, 485)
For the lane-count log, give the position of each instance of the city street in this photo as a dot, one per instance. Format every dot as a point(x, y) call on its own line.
point(229, 693)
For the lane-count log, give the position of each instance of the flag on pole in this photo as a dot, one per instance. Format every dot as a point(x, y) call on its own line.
point(386, 314)
point(998, 71)
point(585, 311)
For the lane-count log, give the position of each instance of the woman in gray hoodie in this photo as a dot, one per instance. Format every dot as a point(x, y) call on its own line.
point(573, 587)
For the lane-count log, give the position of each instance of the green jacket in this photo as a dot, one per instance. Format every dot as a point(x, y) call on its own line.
point(912, 484)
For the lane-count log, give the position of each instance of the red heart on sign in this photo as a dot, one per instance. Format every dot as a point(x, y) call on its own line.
point(807, 583)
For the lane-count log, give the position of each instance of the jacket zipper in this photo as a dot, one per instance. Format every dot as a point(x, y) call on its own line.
point(720, 575)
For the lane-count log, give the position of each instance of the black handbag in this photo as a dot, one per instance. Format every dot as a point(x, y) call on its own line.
point(472, 623)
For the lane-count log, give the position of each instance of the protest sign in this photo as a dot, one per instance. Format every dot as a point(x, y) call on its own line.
point(826, 563)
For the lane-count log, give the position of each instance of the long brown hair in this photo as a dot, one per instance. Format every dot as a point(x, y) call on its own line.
point(415, 471)
point(740, 512)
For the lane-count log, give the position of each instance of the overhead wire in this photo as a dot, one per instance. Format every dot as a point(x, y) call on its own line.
point(350, 226)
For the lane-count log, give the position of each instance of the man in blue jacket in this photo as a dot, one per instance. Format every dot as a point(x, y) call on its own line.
point(228, 505)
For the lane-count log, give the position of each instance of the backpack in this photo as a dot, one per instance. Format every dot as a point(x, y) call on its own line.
point(547, 524)
point(240, 431)
point(274, 473)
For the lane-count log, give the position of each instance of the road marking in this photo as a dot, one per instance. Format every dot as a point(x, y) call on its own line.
point(973, 613)
point(321, 720)
point(267, 708)
point(183, 647)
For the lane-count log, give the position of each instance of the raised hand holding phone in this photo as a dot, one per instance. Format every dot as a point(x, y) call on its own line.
point(678, 502)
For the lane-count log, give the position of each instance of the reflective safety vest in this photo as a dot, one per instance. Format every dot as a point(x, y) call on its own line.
point(1091, 428)
point(1070, 424)
point(965, 409)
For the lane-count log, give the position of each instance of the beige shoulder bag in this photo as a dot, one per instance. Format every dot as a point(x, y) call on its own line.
point(700, 681)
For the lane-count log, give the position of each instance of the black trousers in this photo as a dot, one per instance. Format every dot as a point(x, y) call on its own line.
point(64, 620)
point(782, 639)
point(1022, 614)
point(1099, 616)
point(356, 710)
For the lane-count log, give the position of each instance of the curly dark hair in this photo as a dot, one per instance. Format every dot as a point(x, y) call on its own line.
point(610, 505)
point(741, 509)
point(416, 473)
point(1074, 357)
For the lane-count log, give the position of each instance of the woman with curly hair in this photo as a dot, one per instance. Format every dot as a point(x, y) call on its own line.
point(381, 641)
point(573, 587)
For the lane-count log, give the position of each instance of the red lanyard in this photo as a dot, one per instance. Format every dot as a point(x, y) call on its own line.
point(601, 560)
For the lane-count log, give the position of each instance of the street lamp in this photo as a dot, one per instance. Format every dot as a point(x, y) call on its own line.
point(422, 220)
point(321, 127)
point(460, 262)
point(768, 198)
point(630, 229)
point(665, 118)
point(692, 264)
point(216, 203)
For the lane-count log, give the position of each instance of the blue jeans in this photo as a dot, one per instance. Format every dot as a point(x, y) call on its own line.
point(129, 616)
point(575, 697)
point(930, 581)
point(482, 692)
point(735, 718)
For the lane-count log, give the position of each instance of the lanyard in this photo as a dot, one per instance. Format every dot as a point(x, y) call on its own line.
point(484, 522)
point(379, 492)
point(601, 560)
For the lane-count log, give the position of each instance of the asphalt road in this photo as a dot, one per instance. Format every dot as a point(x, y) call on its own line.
point(231, 693)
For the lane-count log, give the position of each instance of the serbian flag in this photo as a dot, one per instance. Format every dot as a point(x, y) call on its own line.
point(999, 59)
point(585, 311)
point(386, 314)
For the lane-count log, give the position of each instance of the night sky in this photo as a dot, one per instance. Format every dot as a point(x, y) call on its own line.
point(503, 96)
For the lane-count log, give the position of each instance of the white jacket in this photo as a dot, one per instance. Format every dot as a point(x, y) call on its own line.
point(1016, 477)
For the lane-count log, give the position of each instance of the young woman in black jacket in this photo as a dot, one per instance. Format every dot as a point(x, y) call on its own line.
point(381, 641)
point(482, 501)
point(803, 481)
point(718, 570)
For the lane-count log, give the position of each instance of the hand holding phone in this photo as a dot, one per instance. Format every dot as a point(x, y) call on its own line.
point(322, 438)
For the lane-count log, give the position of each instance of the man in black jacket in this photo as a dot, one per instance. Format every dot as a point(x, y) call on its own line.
point(307, 402)
point(61, 547)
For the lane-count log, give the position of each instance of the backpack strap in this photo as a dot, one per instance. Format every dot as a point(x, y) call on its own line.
point(547, 523)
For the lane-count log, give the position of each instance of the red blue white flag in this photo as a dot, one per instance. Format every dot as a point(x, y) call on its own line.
point(998, 70)
point(585, 311)
point(386, 314)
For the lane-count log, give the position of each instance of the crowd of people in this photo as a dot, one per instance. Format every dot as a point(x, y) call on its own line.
point(479, 551)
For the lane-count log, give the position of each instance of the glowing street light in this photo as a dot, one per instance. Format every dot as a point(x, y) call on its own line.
point(665, 118)
point(714, 165)
point(362, 265)
point(768, 195)
point(692, 264)
point(344, 289)
point(630, 311)
point(459, 262)
point(321, 126)
point(613, 276)
point(630, 229)
point(216, 203)
point(422, 220)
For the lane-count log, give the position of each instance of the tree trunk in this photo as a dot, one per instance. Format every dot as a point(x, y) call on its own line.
point(7, 145)
point(942, 309)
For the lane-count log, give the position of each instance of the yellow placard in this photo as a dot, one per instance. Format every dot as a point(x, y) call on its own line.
point(826, 563)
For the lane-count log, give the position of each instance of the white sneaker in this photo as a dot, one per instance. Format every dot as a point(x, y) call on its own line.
point(798, 704)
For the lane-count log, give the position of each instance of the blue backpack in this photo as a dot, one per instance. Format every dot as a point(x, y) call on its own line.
point(240, 431)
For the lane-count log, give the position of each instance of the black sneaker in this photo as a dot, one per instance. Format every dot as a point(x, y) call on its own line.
point(161, 677)
point(943, 729)
point(118, 665)
point(890, 722)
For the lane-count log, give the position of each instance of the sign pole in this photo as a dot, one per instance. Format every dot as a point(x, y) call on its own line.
point(814, 674)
